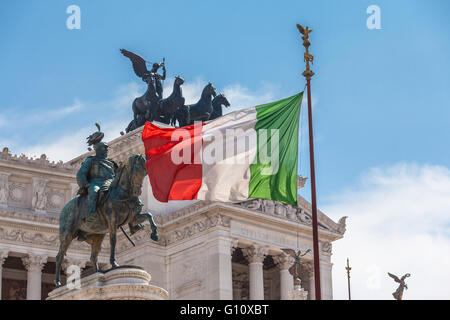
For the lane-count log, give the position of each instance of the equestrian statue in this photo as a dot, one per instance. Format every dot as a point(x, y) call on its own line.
point(107, 199)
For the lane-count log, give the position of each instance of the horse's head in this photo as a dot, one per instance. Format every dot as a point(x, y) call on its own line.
point(220, 100)
point(209, 90)
point(134, 174)
point(179, 80)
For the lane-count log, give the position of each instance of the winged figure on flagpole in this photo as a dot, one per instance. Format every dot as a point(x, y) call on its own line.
point(295, 269)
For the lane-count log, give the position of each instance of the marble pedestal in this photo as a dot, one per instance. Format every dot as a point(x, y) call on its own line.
point(122, 283)
point(298, 293)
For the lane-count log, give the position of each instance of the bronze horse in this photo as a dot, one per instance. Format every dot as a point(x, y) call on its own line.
point(144, 106)
point(167, 107)
point(199, 111)
point(217, 103)
point(118, 206)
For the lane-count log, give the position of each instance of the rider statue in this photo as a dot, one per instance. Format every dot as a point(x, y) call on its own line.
point(157, 78)
point(96, 173)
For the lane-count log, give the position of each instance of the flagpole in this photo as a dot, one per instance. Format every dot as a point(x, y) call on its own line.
point(348, 279)
point(308, 73)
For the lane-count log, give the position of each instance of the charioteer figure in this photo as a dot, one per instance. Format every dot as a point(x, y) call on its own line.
point(96, 173)
point(158, 78)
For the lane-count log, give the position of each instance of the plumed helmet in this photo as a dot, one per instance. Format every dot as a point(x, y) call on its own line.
point(96, 137)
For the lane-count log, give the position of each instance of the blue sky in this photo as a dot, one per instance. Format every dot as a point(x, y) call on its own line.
point(381, 97)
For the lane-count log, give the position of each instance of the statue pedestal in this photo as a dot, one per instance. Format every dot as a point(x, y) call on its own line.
point(298, 293)
point(122, 283)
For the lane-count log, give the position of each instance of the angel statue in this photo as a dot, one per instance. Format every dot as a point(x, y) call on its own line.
point(398, 294)
point(144, 107)
point(295, 269)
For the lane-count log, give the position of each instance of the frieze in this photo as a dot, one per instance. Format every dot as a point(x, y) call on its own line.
point(291, 213)
point(48, 218)
point(40, 239)
point(277, 209)
point(274, 238)
point(18, 235)
point(194, 228)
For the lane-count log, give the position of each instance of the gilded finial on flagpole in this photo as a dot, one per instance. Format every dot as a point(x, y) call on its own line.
point(308, 73)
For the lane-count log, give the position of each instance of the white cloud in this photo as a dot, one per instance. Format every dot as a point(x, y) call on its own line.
point(125, 95)
point(399, 222)
point(242, 97)
point(70, 145)
point(67, 146)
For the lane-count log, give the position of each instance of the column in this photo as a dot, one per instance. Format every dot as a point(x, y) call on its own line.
point(34, 264)
point(255, 255)
point(3, 256)
point(284, 262)
point(312, 287)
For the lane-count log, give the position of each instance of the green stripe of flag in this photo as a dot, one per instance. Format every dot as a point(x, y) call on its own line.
point(282, 185)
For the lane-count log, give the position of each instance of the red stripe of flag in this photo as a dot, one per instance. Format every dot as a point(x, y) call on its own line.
point(171, 181)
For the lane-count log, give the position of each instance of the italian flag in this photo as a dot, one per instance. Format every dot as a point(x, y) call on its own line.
point(248, 153)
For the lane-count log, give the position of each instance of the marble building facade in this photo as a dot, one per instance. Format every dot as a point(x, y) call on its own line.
point(207, 250)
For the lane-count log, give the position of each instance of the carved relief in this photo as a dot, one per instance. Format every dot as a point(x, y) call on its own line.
point(278, 209)
point(40, 195)
point(17, 235)
point(56, 199)
point(326, 247)
point(195, 228)
point(4, 189)
point(17, 192)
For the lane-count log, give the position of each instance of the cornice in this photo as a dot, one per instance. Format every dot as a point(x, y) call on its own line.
point(29, 162)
